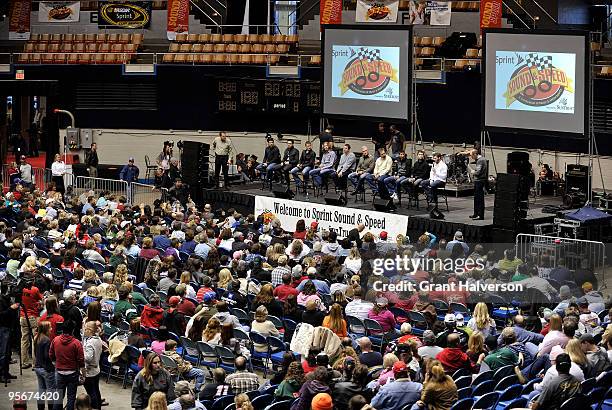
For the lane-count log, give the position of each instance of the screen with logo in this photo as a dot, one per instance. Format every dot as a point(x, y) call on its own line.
point(366, 72)
point(535, 81)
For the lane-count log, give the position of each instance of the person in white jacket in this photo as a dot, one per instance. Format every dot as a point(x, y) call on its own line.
point(437, 178)
point(92, 348)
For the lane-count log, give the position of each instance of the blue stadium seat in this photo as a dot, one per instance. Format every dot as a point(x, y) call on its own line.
point(486, 401)
point(506, 382)
point(465, 404)
point(508, 395)
point(464, 393)
point(521, 402)
point(482, 377)
point(463, 381)
point(482, 388)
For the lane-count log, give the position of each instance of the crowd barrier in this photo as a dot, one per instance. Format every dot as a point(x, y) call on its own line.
point(146, 194)
point(577, 253)
point(97, 185)
point(41, 176)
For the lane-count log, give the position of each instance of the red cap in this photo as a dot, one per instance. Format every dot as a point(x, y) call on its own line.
point(314, 225)
point(383, 235)
point(399, 367)
point(174, 301)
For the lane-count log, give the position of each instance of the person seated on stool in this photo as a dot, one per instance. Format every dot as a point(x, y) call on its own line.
point(382, 169)
point(365, 165)
point(305, 165)
point(345, 167)
point(437, 178)
point(271, 160)
point(326, 167)
point(291, 158)
point(401, 170)
point(419, 172)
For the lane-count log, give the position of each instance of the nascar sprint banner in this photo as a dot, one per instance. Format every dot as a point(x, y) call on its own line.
point(331, 12)
point(178, 18)
point(376, 11)
point(59, 11)
point(19, 19)
point(132, 15)
point(490, 13)
point(339, 219)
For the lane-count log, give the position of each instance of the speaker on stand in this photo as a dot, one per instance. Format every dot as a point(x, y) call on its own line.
point(511, 203)
point(195, 167)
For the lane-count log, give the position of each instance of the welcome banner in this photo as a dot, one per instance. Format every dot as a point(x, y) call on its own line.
point(59, 11)
point(490, 13)
point(178, 18)
point(331, 12)
point(376, 11)
point(336, 218)
point(19, 19)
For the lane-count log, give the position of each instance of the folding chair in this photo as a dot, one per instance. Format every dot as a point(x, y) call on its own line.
point(170, 365)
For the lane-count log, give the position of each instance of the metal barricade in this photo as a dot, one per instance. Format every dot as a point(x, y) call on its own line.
point(41, 177)
point(5, 176)
point(97, 185)
point(145, 194)
point(577, 253)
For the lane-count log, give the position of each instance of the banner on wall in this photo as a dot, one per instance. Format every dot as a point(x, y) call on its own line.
point(178, 18)
point(59, 11)
point(490, 13)
point(439, 13)
point(376, 11)
point(125, 15)
point(19, 19)
point(339, 219)
point(331, 12)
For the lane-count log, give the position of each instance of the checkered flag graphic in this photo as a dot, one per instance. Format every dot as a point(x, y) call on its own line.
point(368, 54)
point(532, 60)
point(541, 63)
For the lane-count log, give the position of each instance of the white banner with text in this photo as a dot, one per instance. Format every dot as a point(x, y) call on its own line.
point(339, 219)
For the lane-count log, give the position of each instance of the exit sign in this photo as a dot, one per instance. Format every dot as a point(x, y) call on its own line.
point(19, 75)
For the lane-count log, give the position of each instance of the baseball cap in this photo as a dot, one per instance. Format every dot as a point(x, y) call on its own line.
point(209, 297)
point(322, 401)
point(314, 225)
point(311, 271)
point(556, 351)
point(23, 157)
point(383, 235)
point(382, 301)
point(429, 336)
point(587, 287)
point(131, 159)
point(582, 301)
point(399, 367)
point(450, 318)
point(57, 246)
point(125, 223)
point(174, 301)
point(459, 318)
point(459, 235)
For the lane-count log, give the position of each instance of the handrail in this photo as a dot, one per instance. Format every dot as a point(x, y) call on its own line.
point(533, 19)
point(545, 12)
point(298, 21)
point(205, 13)
point(515, 15)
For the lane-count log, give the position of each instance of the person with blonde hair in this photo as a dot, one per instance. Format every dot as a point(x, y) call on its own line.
point(481, 321)
point(335, 321)
point(264, 327)
point(91, 252)
point(225, 278)
point(439, 390)
point(157, 401)
point(243, 402)
point(388, 361)
point(186, 280)
point(121, 275)
point(475, 346)
point(29, 266)
point(353, 261)
point(152, 379)
point(109, 299)
point(212, 332)
point(574, 350)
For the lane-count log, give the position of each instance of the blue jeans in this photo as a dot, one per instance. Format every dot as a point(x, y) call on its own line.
point(357, 180)
point(5, 353)
point(393, 184)
point(65, 383)
point(46, 383)
point(305, 173)
point(267, 171)
point(198, 375)
point(318, 174)
point(430, 188)
point(539, 365)
point(374, 183)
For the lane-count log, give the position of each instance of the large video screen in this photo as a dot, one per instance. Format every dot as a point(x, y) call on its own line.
point(536, 81)
point(367, 71)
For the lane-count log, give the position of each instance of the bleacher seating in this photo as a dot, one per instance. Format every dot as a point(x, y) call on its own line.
point(98, 48)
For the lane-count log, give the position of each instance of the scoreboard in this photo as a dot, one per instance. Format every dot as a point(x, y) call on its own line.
point(282, 96)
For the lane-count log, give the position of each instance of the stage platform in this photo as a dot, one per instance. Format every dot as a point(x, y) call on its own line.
point(242, 198)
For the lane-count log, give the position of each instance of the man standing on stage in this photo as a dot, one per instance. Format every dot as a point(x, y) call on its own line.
point(479, 175)
point(326, 136)
point(92, 161)
point(437, 179)
point(222, 147)
point(380, 139)
point(291, 157)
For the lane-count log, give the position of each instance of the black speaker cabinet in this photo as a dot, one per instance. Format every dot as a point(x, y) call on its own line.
point(383, 205)
point(335, 199)
point(282, 191)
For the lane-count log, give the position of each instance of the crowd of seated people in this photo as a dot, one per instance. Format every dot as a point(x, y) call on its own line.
point(169, 308)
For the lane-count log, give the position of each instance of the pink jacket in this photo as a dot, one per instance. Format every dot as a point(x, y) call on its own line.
point(385, 318)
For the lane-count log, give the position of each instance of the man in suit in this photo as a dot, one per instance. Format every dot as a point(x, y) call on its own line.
point(479, 175)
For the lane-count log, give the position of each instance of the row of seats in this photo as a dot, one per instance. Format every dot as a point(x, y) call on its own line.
point(237, 38)
point(428, 41)
point(220, 59)
point(82, 58)
point(136, 38)
point(80, 48)
point(229, 48)
point(604, 71)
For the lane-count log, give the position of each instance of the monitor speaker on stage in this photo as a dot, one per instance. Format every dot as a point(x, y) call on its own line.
point(335, 199)
point(536, 82)
point(282, 191)
point(383, 205)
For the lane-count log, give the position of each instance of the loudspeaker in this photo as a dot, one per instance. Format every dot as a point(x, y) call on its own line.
point(518, 163)
point(383, 205)
point(195, 163)
point(335, 199)
point(576, 178)
point(282, 191)
point(436, 214)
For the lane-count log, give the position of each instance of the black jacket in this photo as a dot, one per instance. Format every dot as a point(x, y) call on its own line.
point(272, 155)
point(292, 155)
point(421, 170)
point(8, 316)
point(71, 312)
point(92, 159)
point(308, 157)
point(401, 168)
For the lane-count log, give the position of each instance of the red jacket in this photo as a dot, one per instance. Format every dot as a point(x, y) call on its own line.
point(453, 358)
point(54, 319)
point(67, 353)
point(31, 300)
point(282, 292)
point(151, 316)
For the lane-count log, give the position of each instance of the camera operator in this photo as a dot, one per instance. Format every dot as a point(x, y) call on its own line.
point(31, 305)
point(70, 311)
point(8, 321)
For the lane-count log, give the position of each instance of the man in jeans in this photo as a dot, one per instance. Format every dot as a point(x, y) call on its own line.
point(67, 353)
point(31, 298)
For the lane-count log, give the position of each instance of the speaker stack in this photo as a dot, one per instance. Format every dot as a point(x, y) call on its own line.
point(195, 166)
point(510, 207)
point(576, 185)
point(518, 164)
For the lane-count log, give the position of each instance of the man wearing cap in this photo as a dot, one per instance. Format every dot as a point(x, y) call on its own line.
point(450, 321)
point(595, 299)
point(461, 325)
point(559, 388)
point(429, 348)
point(458, 239)
point(281, 269)
point(129, 172)
point(321, 285)
point(596, 356)
point(400, 393)
point(25, 171)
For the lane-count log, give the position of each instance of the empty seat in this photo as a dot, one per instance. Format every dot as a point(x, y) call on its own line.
point(68, 38)
point(59, 58)
point(219, 58)
point(84, 58)
point(34, 58)
point(180, 58)
point(269, 48)
point(44, 38)
point(101, 38)
point(174, 47)
point(168, 58)
point(215, 38)
point(427, 52)
point(97, 58)
point(130, 48)
point(181, 38)
point(437, 41)
point(191, 58)
point(90, 38)
point(265, 38)
point(257, 48)
point(40, 48)
point(28, 48)
point(245, 59)
point(282, 48)
point(113, 38)
point(205, 58)
point(471, 53)
point(244, 48)
point(185, 48)
point(232, 58)
point(79, 38)
point(66, 48)
point(203, 38)
point(315, 60)
point(227, 38)
point(104, 48)
point(91, 47)
point(606, 71)
point(418, 62)
point(278, 38)
point(192, 38)
point(124, 38)
point(219, 48)
point(78, 48)
point(232, 48)
point(416, 51)
point(55, 38)
point(116, 48)
point(23, 58)
point(73, 58)
point(404, 5)
point(53, 48)
point(292, 39)
point(208, 48)
point(460, 64)
point(416, 41)
point(259, 59)
point(240, 38)
point(273, 59)
point(426, 41)
point(253, 38)
point(137, 38)
point(110, 58)
point(196, 48)
point(34, 38)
